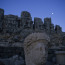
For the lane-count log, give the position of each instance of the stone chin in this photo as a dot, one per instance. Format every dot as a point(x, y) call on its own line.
point(40, 61)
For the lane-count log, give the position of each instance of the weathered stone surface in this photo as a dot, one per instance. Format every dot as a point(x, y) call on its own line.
point(1, 14)
point(26, 20)
point(35, 47)
point(58, 29)
point(11, 23)
point(15, 60)
point(60, 57)
point(38, 24)
point(1, 19)
point(47, 24)
point(63, 40)
point(56, 40)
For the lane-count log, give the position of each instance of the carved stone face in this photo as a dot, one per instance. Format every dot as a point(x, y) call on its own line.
point(35, 48)
point(38, 53)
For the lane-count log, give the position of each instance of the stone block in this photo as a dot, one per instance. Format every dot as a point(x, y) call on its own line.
point(60, 57)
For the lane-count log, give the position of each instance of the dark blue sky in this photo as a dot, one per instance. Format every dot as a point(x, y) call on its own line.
point(38, 8)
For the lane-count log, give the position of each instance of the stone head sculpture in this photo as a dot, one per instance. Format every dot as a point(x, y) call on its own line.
point(35, 47)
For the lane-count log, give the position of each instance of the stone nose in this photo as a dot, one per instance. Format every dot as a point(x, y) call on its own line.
point(44, 51)
point(44, 54)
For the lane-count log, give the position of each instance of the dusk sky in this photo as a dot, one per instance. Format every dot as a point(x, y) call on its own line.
point(38, 8)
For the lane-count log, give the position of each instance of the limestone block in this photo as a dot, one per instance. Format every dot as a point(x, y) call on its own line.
point(35, 47)
point(1, 14)
point(60, 56)
point(25, 14)
point(14, 60)
point(38, 23)
point(58, 29)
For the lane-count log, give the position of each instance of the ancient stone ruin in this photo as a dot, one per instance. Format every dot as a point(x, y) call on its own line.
point(27, 42)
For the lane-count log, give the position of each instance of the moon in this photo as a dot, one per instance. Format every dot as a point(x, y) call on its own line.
point(52, 13)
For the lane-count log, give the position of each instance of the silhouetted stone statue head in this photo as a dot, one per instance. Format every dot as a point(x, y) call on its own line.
point(25, 14)
point(26, 19)
point(1, 13)
point(35, 47)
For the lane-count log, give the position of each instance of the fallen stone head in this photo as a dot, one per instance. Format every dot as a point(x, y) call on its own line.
point(35, 47)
